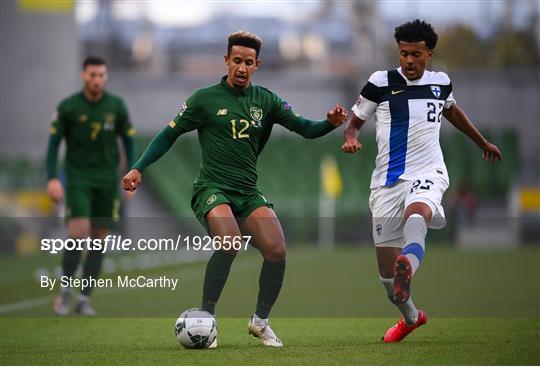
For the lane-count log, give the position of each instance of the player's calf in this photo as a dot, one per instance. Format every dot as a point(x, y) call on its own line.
point(414, 234)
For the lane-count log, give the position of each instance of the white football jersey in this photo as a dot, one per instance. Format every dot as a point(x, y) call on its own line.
point(408, 117)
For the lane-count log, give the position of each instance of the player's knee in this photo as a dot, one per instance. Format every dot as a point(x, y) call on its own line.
point(276, 252)
point(419, 209)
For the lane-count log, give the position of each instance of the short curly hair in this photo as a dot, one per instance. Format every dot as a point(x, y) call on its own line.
point(246, 39)
point(416, 31)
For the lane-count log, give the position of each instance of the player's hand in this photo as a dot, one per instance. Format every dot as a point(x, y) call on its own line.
point(491, 153)
point(131, 181)
point(337, 115)
point(55, 190)
point(351, 146)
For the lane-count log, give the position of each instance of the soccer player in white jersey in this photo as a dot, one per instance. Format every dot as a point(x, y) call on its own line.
point(410, 176)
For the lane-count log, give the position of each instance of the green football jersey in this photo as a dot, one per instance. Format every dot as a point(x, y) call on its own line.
point(90, 130)
point(233, 126)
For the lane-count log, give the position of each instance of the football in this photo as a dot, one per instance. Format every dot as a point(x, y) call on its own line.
point(195, 329)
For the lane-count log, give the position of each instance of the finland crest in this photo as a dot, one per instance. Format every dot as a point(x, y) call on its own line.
point(436, 90)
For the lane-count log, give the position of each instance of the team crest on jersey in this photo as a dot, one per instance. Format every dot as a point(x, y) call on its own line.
point(83, 118)
point(182, 109)
point(211, 200)
point(110, 118)
point(436, 90)
point(256, 113)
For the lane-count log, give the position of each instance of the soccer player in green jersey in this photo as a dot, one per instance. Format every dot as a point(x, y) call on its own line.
point(234, 119)
point(90, 121)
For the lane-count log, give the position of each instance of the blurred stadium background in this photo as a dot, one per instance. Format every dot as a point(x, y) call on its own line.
point(314, 55)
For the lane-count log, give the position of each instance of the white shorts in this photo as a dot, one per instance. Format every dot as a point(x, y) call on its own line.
point(388, 205)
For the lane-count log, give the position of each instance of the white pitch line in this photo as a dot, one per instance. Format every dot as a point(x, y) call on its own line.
point(30, 303)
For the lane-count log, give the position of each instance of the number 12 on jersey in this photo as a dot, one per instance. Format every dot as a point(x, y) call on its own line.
point(239, 134)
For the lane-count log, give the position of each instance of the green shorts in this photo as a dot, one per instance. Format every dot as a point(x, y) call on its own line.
point(205, 198)
point(100, 204)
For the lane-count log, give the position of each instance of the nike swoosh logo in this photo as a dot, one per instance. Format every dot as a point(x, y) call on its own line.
point(397, 91)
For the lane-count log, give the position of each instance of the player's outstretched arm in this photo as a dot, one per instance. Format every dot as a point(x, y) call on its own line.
point(352, 129)
point(459, 119)
point(159, 145)
point(314, 129)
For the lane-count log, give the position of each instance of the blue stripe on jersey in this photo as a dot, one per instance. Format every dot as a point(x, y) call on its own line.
point(399, 128)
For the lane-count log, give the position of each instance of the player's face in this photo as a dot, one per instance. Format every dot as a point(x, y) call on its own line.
point(242, 62)
point(94, 78)
point(413, 57)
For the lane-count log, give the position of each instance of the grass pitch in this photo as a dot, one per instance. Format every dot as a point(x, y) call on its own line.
point(308, 341)
point(484, 309)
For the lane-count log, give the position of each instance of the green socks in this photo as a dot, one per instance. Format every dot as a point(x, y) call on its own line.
point(215, 277)
point(92, 268)
point(270, 282)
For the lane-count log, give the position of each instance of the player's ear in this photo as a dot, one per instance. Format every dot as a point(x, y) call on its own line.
point(258, 63)
point(226, 58)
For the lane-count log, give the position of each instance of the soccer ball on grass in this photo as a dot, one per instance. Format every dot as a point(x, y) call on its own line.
point(195, 329)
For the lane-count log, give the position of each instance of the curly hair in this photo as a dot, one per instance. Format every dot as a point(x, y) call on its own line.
point(246, 39)
point(416, 31)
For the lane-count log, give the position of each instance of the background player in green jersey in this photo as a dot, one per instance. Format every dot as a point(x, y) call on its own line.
point(90, 121)
point(234, 119)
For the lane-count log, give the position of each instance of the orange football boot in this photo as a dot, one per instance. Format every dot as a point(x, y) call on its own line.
point(400, 330)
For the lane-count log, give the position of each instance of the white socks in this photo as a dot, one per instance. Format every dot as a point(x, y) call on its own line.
point(258, 321)
point(414, 233)
point(408, 310)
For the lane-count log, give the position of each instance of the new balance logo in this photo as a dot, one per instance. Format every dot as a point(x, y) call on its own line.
point(221, 112)
point(397, 91)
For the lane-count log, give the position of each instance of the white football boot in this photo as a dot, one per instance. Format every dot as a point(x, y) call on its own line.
point(62, 302)
point(84, 307)
point(260, 328)
point(214, 344)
